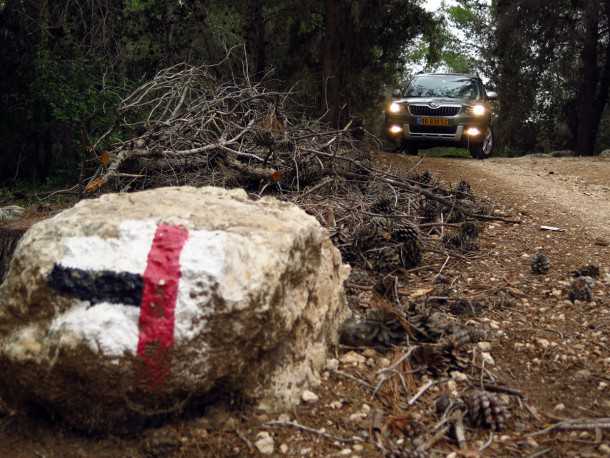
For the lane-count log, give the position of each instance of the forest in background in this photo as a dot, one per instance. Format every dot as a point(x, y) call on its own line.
point(66, 64)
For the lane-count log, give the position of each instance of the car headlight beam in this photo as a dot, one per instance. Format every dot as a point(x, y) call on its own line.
point(479, 110)
point(473, 131)
point(395, 129)
point(395, 107)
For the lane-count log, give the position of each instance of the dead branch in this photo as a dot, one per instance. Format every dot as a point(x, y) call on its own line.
point(294, 424)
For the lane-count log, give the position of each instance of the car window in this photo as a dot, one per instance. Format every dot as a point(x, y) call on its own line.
point(444, 86)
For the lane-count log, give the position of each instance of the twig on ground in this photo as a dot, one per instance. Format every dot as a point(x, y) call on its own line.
point(245, 440)
point(351, 377)
point(425, 388)
point(575, 424)
point(295, 425)
point(502, 389)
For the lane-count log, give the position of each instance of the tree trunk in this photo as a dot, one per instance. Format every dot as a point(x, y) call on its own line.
point(511, 55)
point(330, 64)
point(601, 100)
point(588, 122)
point(255, 36)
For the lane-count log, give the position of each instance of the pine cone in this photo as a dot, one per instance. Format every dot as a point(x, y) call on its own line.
point(264, 137)
point(503, 299)
point(452, 241)
point(410, 254)
point(426, 177)
point(380, 329)
point(485, 410)
point(464, 307)
point(386, 286)
point(455, 216)
point(355, 332)
point(441, 279)
point(442, 403)
point(469, 230)
point(462, 336)
point(581, 289)
point(404, 231)
point(469, 246)
point(382, 225)
point(440, 294)
point(383, 205)
point(485, 209)
point(457, 242)
point(540, 263)
point(463, 187)
point(431, 327)
point(587, 271)
point(308, 171)
point(387, 258)
point(372, 234)
point(436, 358)
point(430, 210)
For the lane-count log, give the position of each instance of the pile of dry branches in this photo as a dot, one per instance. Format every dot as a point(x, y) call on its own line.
point(191, 128)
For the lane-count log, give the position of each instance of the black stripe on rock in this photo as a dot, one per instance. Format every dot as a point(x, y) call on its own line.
point(97, 286)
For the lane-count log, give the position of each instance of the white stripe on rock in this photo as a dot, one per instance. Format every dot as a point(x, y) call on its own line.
point(128, 253)
point(111, 329)
point(201, 262)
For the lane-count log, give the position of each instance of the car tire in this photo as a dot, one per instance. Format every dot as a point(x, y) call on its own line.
point(410, 148)
point(484, 149)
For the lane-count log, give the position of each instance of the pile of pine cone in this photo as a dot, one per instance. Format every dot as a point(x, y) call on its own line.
point(389, 229)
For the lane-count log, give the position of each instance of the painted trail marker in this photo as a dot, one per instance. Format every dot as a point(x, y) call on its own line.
point(154, 291)
point(161, 279)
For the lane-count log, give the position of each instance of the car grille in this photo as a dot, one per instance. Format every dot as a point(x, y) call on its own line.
point(433, 129)
point(425, 110)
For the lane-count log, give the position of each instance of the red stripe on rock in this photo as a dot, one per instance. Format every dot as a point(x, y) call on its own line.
point(159, 295)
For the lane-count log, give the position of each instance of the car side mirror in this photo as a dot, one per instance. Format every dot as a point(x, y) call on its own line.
point(491, 95)
point(396, 93)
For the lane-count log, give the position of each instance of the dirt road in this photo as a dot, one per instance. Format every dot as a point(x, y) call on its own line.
point(553, 352)
point(577, 188)
point(556, 352)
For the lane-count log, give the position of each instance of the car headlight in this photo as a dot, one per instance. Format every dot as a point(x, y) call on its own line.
point(479, 110)
point(395, 107)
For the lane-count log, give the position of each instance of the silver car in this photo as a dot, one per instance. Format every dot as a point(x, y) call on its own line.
point(442, 109)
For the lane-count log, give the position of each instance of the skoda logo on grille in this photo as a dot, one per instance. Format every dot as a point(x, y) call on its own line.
point(434, 106)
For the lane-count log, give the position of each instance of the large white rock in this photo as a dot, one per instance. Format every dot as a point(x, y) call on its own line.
point(126, 306)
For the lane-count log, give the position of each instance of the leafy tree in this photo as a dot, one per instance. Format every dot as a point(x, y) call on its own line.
point(65, 64)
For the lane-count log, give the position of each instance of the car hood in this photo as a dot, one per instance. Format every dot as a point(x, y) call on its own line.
point(436, 100)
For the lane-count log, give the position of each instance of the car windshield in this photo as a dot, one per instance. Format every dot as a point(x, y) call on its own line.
point(453, 87)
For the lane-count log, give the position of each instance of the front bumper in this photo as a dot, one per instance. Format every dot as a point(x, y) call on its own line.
point(456, 136)
point(405, 126)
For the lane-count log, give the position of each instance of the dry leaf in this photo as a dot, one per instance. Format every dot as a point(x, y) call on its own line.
point(94, 185)
point(104, 158)
point(420, 292)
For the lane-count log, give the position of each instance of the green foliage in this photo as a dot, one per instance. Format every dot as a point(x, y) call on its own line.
point(71, 92)
point(64, 65)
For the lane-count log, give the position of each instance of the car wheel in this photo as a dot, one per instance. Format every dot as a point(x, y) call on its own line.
point(410, 148)
point(484, 149)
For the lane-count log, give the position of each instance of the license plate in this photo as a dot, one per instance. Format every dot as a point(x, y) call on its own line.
point(432, 121)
